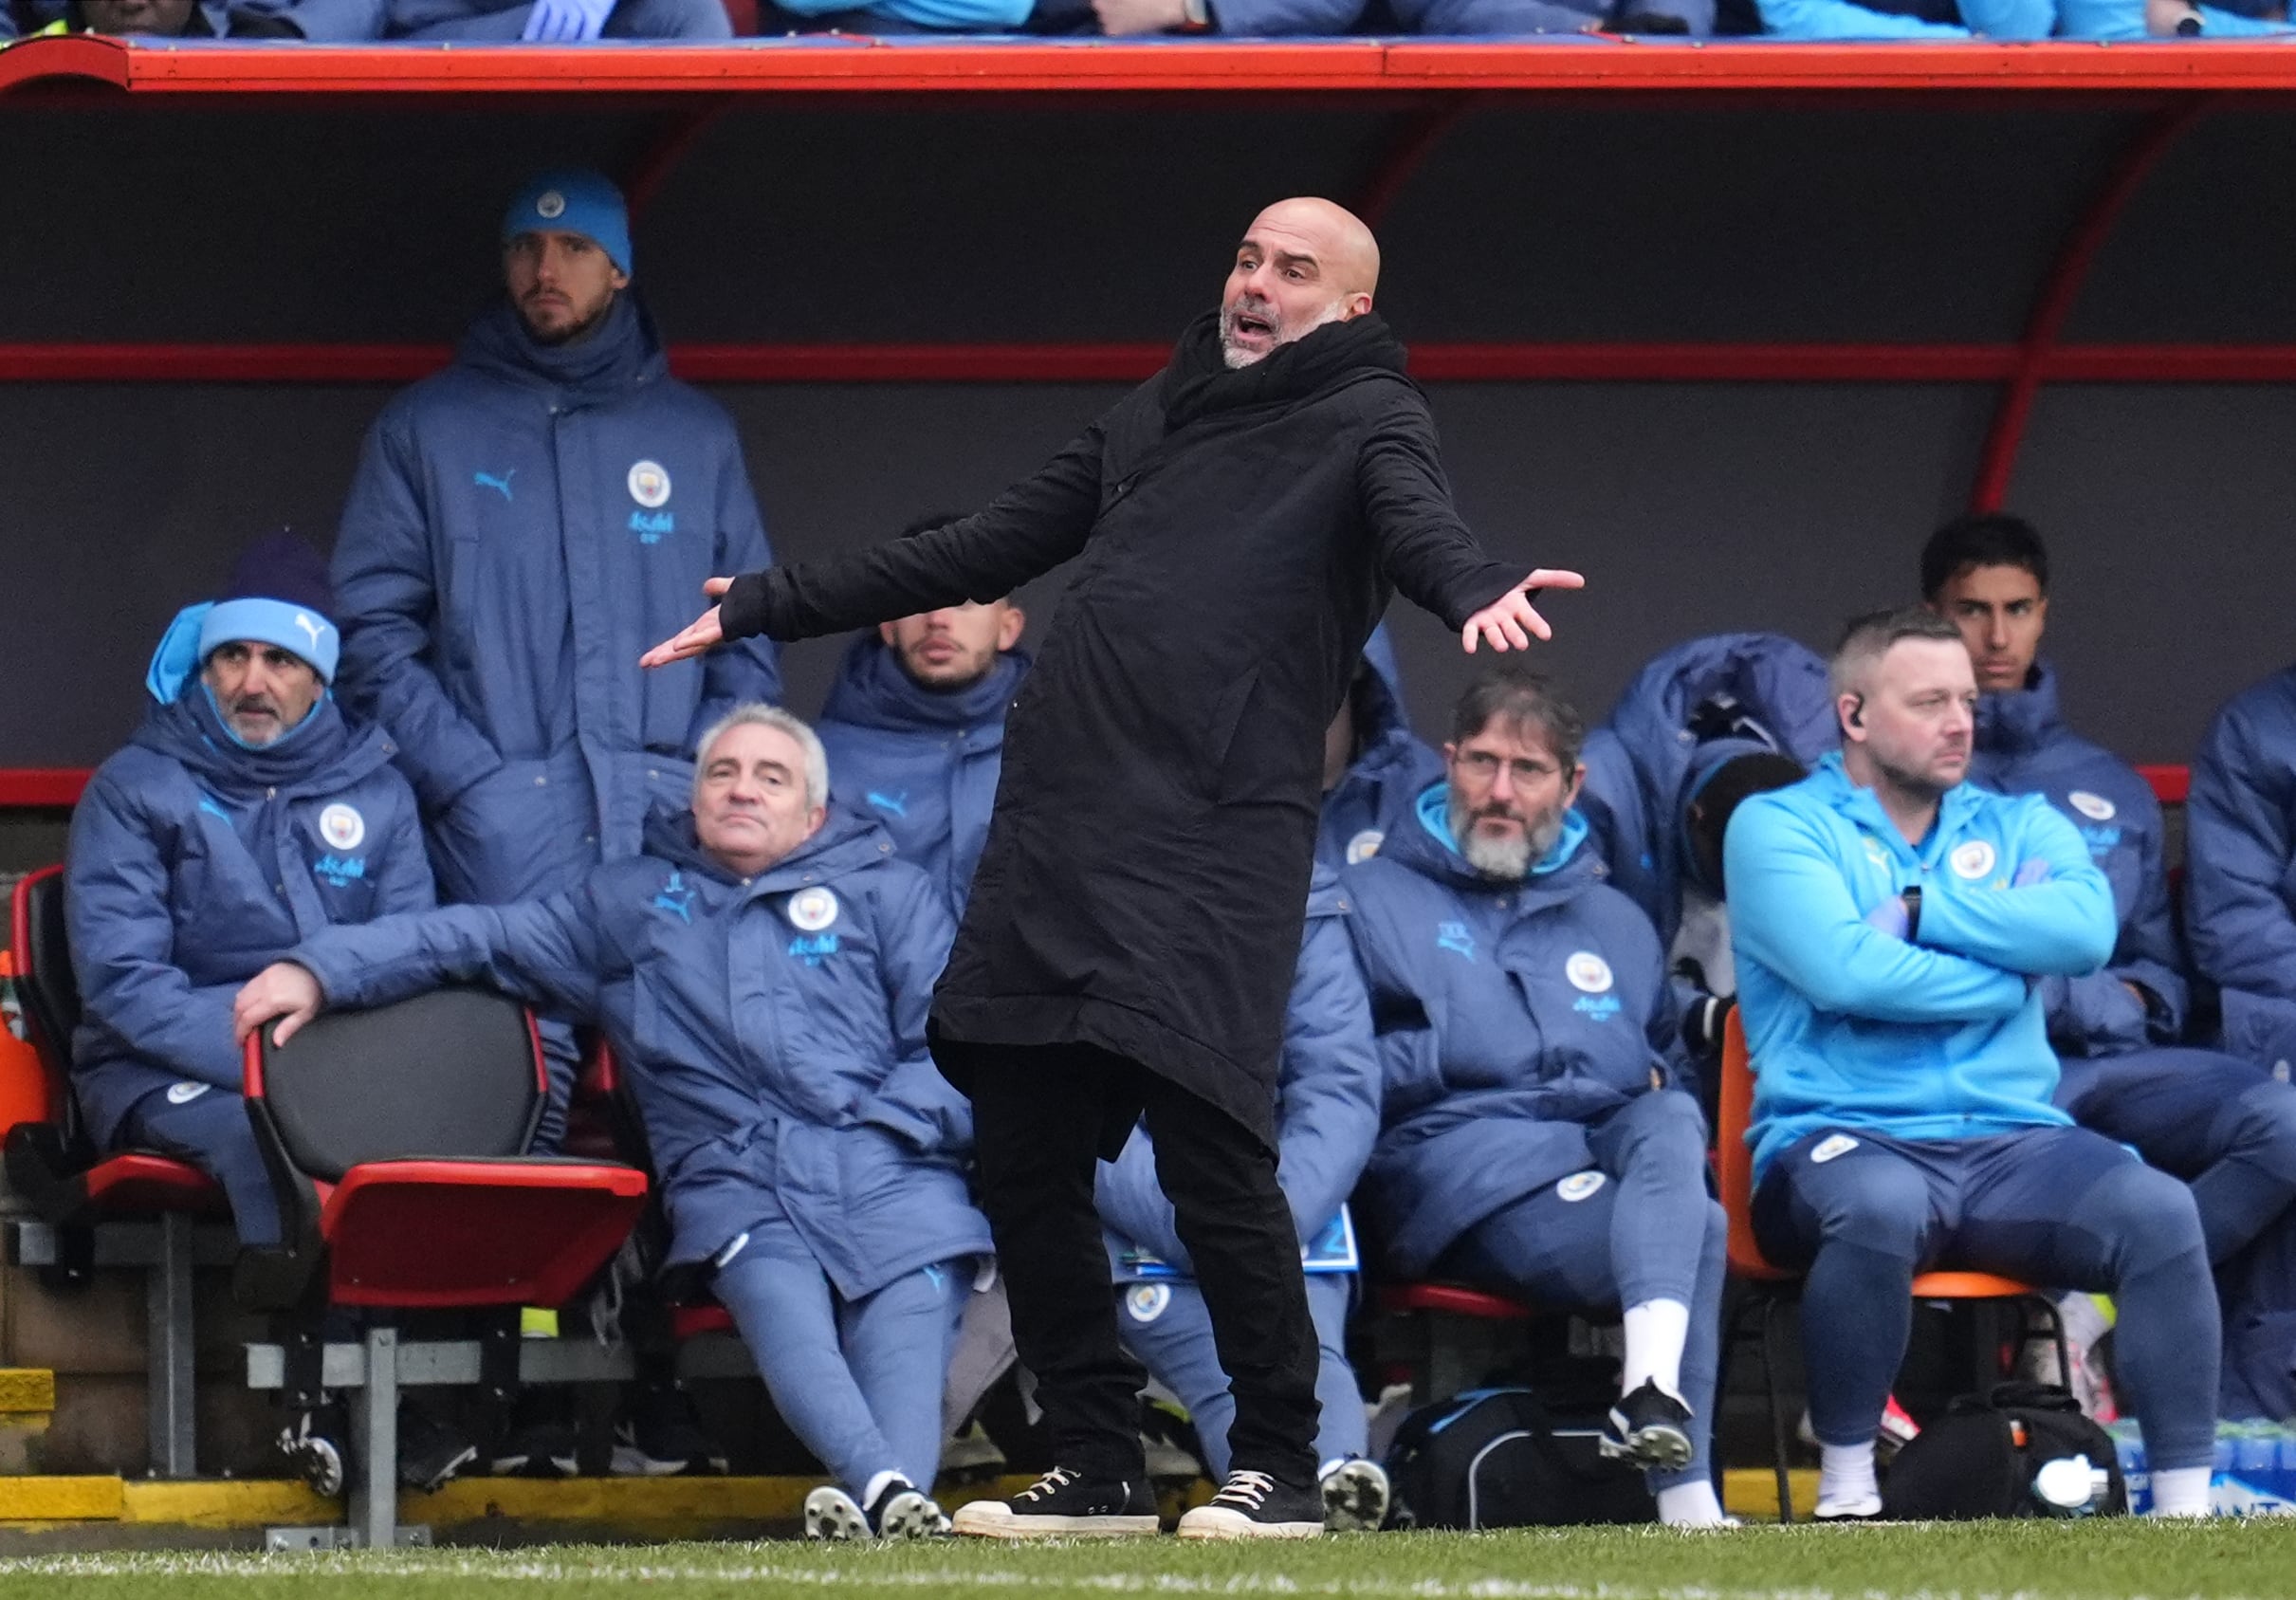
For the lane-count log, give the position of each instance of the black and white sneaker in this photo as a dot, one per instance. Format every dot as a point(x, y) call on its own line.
point(1649, 1427)
point(1355, 1497)
point(430, 1452)
point(662, 1438)
point(313, 1445)
point(902, 1511)
point(1063, 1505)
point(831, 1514)
point(537, 1449)
point(1254, 1505)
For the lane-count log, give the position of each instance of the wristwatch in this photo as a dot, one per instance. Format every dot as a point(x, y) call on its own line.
point(1913, 913)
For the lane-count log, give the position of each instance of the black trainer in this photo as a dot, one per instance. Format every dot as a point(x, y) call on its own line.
point(661, 1437)
point(1649, 1427)
point(1254, 1505)
point(902, 1511)
point(430, 1452)
point(1064, 1505)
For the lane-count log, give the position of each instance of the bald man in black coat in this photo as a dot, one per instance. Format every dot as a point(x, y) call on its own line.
point(1129, 947)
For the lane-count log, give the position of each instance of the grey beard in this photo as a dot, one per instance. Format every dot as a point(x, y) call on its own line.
point(1237, 359)
point(1508, 860)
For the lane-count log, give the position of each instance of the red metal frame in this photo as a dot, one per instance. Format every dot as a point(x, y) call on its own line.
point(2061, 288)
point(838, 63)
point(42, 788)
point(2172, 784)
point(1434, 361)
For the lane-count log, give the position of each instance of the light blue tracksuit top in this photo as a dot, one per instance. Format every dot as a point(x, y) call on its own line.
point(1851, 1027)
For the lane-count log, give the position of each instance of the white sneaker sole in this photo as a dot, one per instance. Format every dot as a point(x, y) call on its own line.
point(1217, 1522)
point(831, 1515)
point(992, 1520)
point(1355, 1499)
point(910, 1515)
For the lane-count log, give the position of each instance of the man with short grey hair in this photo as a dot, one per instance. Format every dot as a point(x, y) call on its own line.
point(762, 971)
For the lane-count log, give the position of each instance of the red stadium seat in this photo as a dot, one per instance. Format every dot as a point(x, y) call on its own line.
point(1444, 1338)
point(129, 1208)
point(397, 1140)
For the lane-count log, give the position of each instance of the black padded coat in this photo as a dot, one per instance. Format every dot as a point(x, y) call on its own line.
point(1146, 874)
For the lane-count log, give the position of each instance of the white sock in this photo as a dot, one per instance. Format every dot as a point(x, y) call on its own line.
point(1691, 1505)
point(1655, 1333)
point(2180, 1491)
point(1847, 1486)
point(877, 1485)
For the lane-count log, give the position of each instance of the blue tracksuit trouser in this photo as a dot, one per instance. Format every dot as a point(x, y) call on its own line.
point(630, 19)
point(211, 1131)
point(858, 1381)
point(2061, 1207)
point(2225, 1126)
point(1636, 1226)
point(1171, 1335)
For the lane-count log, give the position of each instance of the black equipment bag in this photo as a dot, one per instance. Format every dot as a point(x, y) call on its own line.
point(1498, 1458)
point(1979, 1458)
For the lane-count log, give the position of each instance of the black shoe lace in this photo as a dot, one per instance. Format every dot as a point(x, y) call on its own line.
point(1244, 1489)
point(1045, 1487)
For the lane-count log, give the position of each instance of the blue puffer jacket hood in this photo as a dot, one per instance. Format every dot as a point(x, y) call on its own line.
point(1640, 763)
point(924, 763)
point(1389, 769)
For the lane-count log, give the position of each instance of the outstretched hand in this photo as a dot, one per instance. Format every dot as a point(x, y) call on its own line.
point(1511, 622)
point(703, 633)
point(282, 991)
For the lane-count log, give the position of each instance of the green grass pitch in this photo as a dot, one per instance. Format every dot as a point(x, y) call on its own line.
point(2104, 1561)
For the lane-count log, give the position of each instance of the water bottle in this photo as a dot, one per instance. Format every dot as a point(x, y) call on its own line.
point(2129, 1445)
point(2070, 1486)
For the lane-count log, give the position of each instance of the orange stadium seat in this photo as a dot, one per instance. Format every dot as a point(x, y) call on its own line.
point(1772, 1288)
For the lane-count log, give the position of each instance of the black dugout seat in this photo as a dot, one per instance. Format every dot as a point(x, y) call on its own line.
point(129, 1208)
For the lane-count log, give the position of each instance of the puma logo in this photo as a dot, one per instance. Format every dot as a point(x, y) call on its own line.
point(316, 630)
point(487, 479)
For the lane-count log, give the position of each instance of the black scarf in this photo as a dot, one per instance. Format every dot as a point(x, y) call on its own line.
point(1197, 382)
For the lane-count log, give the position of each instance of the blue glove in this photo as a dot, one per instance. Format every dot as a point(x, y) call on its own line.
point(565, 22)
point(2035, 871)
point(1890, 917)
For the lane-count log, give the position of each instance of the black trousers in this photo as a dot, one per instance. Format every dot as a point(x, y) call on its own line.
point(1041, 1117)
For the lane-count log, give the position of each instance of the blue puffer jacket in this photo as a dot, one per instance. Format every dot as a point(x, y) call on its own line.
point(195, 862)
point(1327, 1097)
point(1386, 776)
point(1641, 769)
point(923, 764)
point(2240, 868)
point(1505, 1013)
point(2023, 747)
point(521, 527)
point(1853, 1027)
point(773, 1029)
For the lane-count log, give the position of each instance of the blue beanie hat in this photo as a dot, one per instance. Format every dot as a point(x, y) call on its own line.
point(278, 594)
point(575, 200)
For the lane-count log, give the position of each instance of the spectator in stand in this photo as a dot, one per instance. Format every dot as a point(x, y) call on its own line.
point(1907, 19)
point(520, 525)
point(1327, 1115)
point(326, 21)
point(915, 727)
point(1894, 926)
point(1703, 726)
point(2170, 19)
point(2224, 1125)
point(1535, 1141)
point(246, 815)
point(558, 22)
point(763, 971)
point(1373, 765)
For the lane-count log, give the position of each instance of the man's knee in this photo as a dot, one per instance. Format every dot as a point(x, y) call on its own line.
point(2265, 1127)
point(2143, 1217)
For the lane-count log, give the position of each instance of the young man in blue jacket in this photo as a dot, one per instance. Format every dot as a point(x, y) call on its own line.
point(247, 814)
point(1894, 928)
point(915, 727)
point(520, 525)
point(1535, 1140)
point(763, 971)
point(1327, 1115)
point(2224, 1125)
